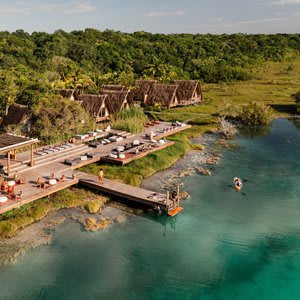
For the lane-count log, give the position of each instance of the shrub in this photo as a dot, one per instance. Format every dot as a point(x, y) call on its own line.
point(297, 99)
point(131, 120)
point(95, 206)
point(255, 114)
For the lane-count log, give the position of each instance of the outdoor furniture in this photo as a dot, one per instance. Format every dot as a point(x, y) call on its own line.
point(11, 183)
point(112, 155)
point(122, 156)
point(52, 181)
point(120, 148)
point(3, 199)
point(95, 145)
point(91, 155)
point(70, 162)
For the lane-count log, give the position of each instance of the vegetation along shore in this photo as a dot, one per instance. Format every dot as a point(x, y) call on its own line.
point(249, 79)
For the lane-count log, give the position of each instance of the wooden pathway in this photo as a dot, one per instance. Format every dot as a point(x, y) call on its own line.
point(122, 190)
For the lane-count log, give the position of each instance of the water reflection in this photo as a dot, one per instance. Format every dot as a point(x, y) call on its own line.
point(255, 131)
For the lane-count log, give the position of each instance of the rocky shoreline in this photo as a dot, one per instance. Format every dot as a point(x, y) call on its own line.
point(195, 161)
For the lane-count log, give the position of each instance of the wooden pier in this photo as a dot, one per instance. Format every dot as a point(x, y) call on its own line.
point(122, 190)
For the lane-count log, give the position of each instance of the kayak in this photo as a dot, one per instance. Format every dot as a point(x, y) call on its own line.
point(238, 184)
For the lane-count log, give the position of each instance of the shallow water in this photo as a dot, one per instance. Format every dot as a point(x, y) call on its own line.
point(225, 245)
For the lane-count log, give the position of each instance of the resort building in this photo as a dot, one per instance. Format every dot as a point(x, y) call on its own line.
point(188, 92)
point(96, 106)
point(162, 94)
point(116, 101)
point(141, 91)
point(113, 87)
point(17, 114)
point(68, 94)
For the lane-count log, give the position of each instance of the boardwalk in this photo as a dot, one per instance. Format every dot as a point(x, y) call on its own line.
point(54, 163)
point(123, 190)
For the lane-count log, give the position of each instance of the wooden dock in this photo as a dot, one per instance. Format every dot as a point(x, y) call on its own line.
point(122, 190)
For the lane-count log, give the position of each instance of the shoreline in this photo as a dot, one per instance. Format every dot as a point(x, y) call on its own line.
point(113, 212)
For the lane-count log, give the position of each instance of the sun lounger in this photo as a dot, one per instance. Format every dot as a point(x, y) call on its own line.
point(95, 145)
point(68, 145)
point(70, 162)
point(91, 155)
point(41, 153)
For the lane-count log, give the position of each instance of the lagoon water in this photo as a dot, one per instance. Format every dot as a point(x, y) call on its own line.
point(225, 245)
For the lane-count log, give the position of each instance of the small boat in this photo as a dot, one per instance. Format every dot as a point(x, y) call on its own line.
point(238, 184)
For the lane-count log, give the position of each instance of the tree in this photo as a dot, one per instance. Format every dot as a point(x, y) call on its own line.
point(55, 118)
point(8, 90)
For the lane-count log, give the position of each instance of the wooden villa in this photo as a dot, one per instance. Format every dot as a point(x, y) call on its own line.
point(188, 92)
point(113, 87)
point(141, 90)
point(17, 114)
point(116, 101)
point(162, 94)
point(96, 106)
point(68, 94)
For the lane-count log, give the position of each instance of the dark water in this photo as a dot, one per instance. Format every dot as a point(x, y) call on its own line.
point(225, 245)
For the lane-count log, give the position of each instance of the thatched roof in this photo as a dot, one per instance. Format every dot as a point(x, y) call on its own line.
point(112, 87)
point(93, 103)
point(16, 114)
point(164, 94)
point(188, 90)
point(142, 88)
point(116, 101)
point(68, 93)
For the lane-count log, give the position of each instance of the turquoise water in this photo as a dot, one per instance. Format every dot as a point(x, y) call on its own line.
point(225, 245)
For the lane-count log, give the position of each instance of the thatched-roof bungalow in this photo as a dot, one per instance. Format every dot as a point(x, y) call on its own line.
point(17, 114)
point(141, 90)
point(68, 93)
point(188, 92)
point(116, 101)
point(113, 87)
point(164, 94)
point(95, 105)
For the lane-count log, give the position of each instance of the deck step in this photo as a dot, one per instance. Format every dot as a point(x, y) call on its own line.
point(46, 160)
point(175, 211)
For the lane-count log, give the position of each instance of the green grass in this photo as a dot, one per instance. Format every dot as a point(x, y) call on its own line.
point(16, 219)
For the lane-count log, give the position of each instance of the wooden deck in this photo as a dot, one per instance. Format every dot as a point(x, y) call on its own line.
point(130, 157)
point(54, 163)
point(123, 190)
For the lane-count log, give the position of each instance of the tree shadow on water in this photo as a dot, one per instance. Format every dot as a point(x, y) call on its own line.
point(285, 108)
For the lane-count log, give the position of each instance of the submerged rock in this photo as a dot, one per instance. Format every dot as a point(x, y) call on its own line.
point(203, 171)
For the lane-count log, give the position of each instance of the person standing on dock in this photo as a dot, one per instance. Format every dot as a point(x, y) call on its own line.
point(101, 176)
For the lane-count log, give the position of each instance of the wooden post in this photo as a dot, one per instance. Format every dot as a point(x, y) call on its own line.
point(8, 163)
point(31, 156)
point(167, 200)
point(178, 193)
